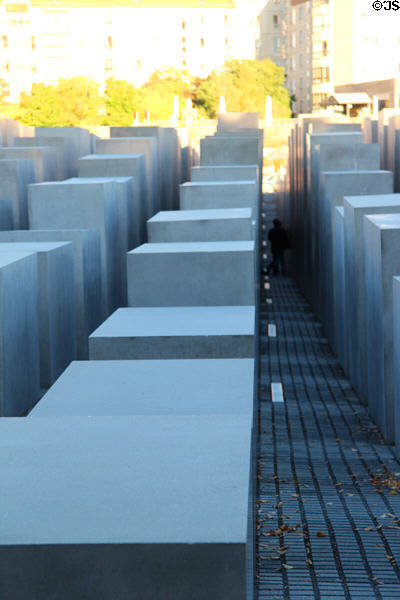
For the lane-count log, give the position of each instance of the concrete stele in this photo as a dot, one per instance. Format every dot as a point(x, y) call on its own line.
point(122, 165)
point(87, 275)
point(44, 160)
point(175, 332)
point(91, 205)
point(154, 504)
point(151, 387)
point(233, 224)
point(192, 274)
point(382, 262)
point(15, 176)
point(138, 145)
point(19, 333)
point(56, 308)
point(334, 185)
point(355, 208)
point(220, 194)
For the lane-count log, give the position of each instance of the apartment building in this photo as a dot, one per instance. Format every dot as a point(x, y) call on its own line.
point(298, 30)
point(45, 40)
point(272, 41)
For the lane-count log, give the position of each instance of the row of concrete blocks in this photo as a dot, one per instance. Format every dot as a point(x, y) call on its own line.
point(354, 262)
point(160, 504)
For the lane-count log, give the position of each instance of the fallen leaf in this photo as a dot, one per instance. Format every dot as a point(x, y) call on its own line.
point(309, 562)
point(321, 534)
point(287, 567)
point(279, 505)
point(367, 528)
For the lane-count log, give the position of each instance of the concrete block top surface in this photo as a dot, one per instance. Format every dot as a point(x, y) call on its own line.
point(190, 247)
point(97, 179)
point(353, 173)
point(132, 479)
point(30, 247)
point(340, 135)
point(151, 387)
point(373, 200)
point(11, 256)
point(385, 221)
point(340, 210)
point(217, 183)
point(201, 215)
point(178, 321)
point(102, 157)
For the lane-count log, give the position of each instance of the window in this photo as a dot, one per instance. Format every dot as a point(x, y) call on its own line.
point(293, 63)
point(201, 41)
point(33, 42)
point(34, 69)
point(321, 75)
point(183, 40)
point(300, 60)
point(325, 48)
point(293, 19)
point(4, 41)
point(108, 65)
point(293, 40)
point(277, 43)
point(109, 42)
point(275, 20)
point(226, 41)
point(317, 99)
point(301, 84)
point(301, 13)
point(226, 18)
point(184, 63)
point(293, 86)
point(301, 106)
point(139, 64)
point(184, 49)
point(301, 38)
point(201, 19)
point(183, 24)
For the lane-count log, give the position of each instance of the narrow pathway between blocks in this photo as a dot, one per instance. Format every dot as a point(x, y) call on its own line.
point(328, 503)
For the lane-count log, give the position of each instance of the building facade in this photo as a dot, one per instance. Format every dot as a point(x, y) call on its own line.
point(298, 29)
point(42, 41)
point(272, 41)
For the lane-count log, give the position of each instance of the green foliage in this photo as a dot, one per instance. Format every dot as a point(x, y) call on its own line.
point(121, 101)
point(75, 101)
point(245, 84)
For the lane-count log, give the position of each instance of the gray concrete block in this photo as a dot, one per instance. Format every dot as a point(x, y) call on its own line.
point(220, 150)
point(15, 176)
point(122, 165)
point(382, 262)
point(151, 387)
point(175, 332)
point(396, 361)
point(330, 152)
point(168, 159)
point(44, 160)
point(98, 507)
point(334, 185)
point(393, 149)
point(226, 173)
point(77, 205)
point(370, 130)
point(80, 138)
point(200, 225)
point(56, 305)
point(146, 146)
point(124, 191)
point(339, 288)
point(233, 121)
point(19, 333)
point(355, 208)
point(87, 275)
point(64, 148)
point(219, 194)
point(192, 274)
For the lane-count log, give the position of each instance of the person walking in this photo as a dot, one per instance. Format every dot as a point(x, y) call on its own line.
point(279, 240)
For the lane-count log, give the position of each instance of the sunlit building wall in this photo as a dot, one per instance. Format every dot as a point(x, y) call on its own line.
point(42, 41)
point(298, 31)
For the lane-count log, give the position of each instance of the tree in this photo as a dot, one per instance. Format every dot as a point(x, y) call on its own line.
point(158, 92)
point(75, 101)
point(245, 84)
point(121, 101)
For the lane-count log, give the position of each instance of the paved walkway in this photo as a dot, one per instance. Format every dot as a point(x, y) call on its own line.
point(329, 505)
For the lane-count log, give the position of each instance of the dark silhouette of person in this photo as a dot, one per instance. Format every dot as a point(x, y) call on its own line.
point(279, 240)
